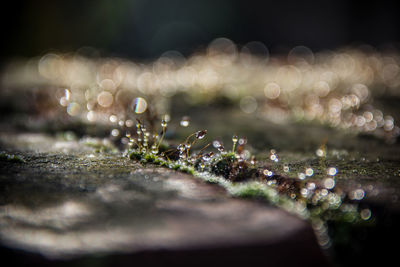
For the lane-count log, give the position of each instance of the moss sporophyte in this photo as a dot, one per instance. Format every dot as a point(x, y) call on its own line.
point(241, 175)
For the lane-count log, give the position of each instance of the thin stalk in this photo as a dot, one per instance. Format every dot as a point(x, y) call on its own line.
point(201, 150)
point(234, 140)
point(187, 138)
point(162, 137)
point(133, 140)
point(139, 143)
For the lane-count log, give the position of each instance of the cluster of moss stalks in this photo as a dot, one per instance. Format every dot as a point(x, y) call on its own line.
point(242, 176)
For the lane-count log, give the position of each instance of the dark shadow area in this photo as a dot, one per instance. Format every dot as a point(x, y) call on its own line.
point(146, 29)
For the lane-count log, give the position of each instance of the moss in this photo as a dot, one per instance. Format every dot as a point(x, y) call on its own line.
point(98, 145)
point(225, 165)
point(149, 157)
point(164, 164)
point(186, 169)
point(211, 181)
point(11, 158)
point(158, 161)
point(241, 178)
point(254, 189)
point(176, 166)
point(135, 155)
point(251, 192)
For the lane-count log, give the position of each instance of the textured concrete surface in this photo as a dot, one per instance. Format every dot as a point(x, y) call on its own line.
point(68, 204)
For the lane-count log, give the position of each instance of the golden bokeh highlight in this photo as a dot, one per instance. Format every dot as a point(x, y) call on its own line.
point(335, 88)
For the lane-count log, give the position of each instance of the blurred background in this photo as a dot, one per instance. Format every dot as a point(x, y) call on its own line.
point(144, 29)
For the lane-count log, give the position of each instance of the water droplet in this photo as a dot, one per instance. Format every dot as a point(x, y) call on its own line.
point(365, 214)
point(124, 140)
point(245, 155)
point(304, 192)
point(64, 100)
point(272, 90)
point(329, 183)
point(242, 141)
point(248, 104)
point(234, 139)
point(253, 160)
point(181, 147)
point(268, 173)
point(113, 118)
point(332, 171)
point(207, 157)
point(67, 94)
point(115, 132)
point(185, 121)
point(91, 116)
point(218, 145)
point(357, 194)
point(202, 165)
point(164, 123)
point(131, 142)
point(129, 123)
point(139, 105)
point(311, 186)
point(301, 176)
point(309, 172)
point(154, 149)
point(73, 109)
point(105, 99)
point(273, 156)
point(324, 192)
point(286, 168)
point(201, 134)
point(167, 118)
point(320, 152)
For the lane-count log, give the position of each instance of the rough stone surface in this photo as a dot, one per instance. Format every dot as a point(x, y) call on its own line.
point(65, 176)
point(68, 204)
